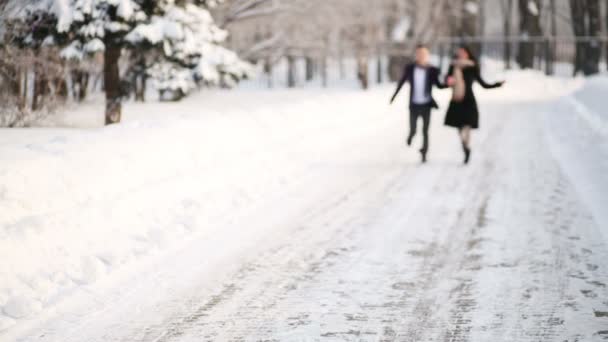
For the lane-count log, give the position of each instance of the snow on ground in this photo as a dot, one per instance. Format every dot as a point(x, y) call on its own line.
point(296, 214)
point(78, 203)
point(579, 133)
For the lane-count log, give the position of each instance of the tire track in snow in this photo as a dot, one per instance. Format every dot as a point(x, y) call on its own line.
point(501, 250)
point(347, 288)
point(446, 297)
point(387, 330)
point(268, 280)
point(533, 223)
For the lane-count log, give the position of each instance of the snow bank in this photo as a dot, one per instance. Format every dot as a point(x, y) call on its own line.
point(76, 205)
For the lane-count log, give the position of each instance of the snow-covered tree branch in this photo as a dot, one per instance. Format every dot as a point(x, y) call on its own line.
point(180, 35)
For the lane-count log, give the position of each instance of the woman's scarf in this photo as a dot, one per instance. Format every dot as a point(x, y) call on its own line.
point(459, 87)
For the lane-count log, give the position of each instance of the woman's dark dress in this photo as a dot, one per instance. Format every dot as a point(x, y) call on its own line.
point(465, 112)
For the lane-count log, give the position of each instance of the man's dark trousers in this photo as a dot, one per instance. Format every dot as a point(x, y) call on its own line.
point(423, 111)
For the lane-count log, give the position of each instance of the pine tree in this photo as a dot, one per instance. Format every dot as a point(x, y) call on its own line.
point(188, 40)
point(86, 27)
point(180, 35)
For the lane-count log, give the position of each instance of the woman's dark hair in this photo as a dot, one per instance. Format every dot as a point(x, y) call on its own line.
point(472, 56)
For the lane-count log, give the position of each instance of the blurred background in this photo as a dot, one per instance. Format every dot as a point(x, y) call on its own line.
point(54, 52)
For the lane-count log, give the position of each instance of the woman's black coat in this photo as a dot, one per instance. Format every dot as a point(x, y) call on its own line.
point(465, 112)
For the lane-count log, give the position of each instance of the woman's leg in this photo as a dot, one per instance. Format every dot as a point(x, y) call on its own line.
point(465, 137)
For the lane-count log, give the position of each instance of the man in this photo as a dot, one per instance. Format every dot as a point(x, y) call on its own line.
point(422, 77)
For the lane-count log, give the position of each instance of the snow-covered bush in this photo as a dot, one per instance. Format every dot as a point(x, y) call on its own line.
point(172, 82)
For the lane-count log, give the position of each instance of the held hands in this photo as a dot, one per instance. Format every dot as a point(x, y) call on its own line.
point(450, 81)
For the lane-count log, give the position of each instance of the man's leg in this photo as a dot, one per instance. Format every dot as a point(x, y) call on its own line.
point(426, 122)
point(413, 124)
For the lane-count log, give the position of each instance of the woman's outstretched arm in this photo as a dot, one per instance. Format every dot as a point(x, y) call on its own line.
point(483, 83)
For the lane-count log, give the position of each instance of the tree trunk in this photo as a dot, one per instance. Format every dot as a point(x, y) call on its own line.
point(481, 17)
point(469, 26)
point(395, 66)
point(529, 27)
point(15, 81)
point(268, 71)
point(594, 28)
point(577, 7)
point(362, 72)
point(310, 69)
point(453, 22)
point(40, 85)
point(35, 89)
point(324, 71)
point(112, 84)
point(23, 89)
point(140, 80)
point(507, 22)
point(341, 63)
point(84, 86)
point(61, 88)
point(550, 44)
point(80, 85)
point(12, 80)
point(379, 68)
point(291, 72)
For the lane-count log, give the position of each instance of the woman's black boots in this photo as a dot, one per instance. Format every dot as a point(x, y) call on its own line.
point(467, 153)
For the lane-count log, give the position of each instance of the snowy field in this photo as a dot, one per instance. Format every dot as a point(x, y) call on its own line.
point(297, 215)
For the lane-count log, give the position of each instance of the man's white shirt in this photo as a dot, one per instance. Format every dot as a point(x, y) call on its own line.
point(419, 95)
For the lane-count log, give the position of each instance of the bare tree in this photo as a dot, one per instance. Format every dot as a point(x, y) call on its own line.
point(586, 26)
point(507, 13)
point(594, 28)
point(551, 44)
point(238, 10)
point(529, 28)
point(471, 22)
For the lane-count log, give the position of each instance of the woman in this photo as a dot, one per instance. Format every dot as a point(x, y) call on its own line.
point(463, 112)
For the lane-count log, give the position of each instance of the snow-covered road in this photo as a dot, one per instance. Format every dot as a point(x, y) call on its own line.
point(329, 228)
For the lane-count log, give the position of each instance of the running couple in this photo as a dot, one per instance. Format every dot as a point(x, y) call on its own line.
point(462, 113)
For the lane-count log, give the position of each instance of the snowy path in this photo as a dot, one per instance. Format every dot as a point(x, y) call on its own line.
point(361, 243)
